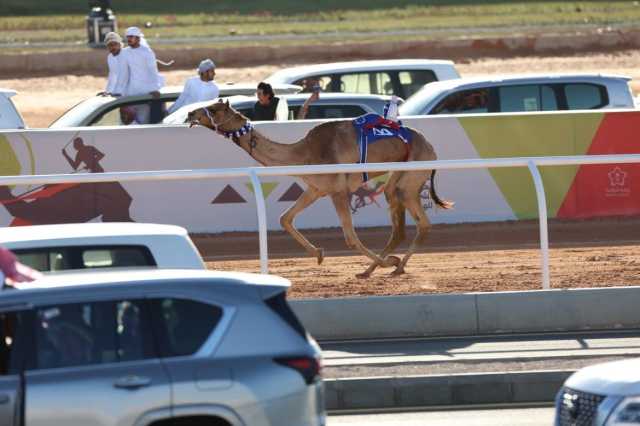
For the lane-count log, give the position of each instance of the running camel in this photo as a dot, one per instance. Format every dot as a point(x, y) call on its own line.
point(334, 142)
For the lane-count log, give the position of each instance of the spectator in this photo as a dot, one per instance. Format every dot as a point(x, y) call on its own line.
point(115, 62)
point(304, 110)
point(128, 115)
point(140, 73)
point(12, 271)
point(310, 85)
point(199, 88)
point(266, 107)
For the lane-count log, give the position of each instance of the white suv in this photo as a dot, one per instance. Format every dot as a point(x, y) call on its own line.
point(101, 245)
point(606, 394)
point(400, 77)
point(10, 118)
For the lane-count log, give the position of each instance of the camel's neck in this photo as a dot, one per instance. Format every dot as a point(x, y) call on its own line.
point(268, 152)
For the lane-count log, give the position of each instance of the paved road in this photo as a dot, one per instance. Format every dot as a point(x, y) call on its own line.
point(391, 357)
point(496, 417)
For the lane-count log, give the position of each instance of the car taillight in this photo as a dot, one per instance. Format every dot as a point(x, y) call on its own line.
point(309, 367)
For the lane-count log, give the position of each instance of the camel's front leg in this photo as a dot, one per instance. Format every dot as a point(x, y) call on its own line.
point(286, 220)
point(397, 236)
point(341, 203)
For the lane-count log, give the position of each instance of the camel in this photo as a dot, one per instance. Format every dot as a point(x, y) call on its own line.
point(335, 142)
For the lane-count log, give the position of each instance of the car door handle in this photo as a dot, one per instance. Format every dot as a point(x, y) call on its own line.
point(132, 382)
point(4, 398)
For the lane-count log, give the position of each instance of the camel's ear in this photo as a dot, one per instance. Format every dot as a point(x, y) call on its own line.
point(227, 104)
point(220, 101)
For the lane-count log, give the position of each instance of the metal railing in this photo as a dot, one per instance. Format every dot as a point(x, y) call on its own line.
point(254, 174)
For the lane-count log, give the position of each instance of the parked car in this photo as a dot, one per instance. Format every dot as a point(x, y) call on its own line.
point(329, 105)
point(400, 77)
point(157, 348)
point(606, 394)
point(48, 248)
point(105, 110)
point(517, 93)
point(10, 118)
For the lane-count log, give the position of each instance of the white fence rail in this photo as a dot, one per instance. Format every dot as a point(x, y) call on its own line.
point(254, 174)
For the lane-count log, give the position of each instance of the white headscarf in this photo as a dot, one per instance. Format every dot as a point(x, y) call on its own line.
point(135, 31)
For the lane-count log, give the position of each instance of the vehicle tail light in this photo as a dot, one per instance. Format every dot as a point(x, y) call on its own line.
point(309, 367)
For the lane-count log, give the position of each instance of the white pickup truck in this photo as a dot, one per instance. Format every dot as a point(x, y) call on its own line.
point(10, 118)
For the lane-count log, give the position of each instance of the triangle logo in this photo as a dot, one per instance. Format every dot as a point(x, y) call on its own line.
point(292, 194)
point(227, 196)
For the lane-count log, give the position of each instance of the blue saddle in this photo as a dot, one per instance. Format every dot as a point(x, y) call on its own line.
point(371, 128)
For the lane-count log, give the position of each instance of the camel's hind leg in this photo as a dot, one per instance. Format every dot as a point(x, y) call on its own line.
point(408, 190)
point(286, 220)
point(397, 213)
point(341, 203)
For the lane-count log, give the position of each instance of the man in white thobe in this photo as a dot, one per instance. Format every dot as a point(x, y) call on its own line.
point(140, 73)
point(199, 88)
point(115, 62)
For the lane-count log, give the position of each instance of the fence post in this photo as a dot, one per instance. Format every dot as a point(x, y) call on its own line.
point(261, 209)
point(542, 217)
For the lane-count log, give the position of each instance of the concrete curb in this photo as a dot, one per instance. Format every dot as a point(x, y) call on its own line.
point(445, 390)
point(92, 61)
point(471, 314)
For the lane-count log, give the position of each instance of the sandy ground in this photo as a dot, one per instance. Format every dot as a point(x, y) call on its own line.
point(42, 99)
point(457, 258)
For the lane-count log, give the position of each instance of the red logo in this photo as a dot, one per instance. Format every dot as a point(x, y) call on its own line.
point(617, 177)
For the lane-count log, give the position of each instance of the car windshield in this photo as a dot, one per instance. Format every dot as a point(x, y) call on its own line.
point(79, 112)
point(417, 103)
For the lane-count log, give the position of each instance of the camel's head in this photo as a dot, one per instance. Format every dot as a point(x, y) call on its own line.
point(217, 116)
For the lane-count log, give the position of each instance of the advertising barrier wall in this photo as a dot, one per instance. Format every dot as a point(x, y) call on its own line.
point(229, 205)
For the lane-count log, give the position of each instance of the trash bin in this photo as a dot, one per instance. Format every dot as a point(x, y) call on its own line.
point(100, 21)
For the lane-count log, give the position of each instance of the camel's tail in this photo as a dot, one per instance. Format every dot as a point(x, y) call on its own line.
point(432, 190)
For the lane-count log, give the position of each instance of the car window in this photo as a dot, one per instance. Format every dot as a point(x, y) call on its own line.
point(329, 111)
point(519, 98)
point(549, 101)
point(382, 84)
point(80, 334)
point(184, 325)
point(324, 81)
point(80, 257)
point(375, 82)
point(585, 96)
point(13, 326)
point(412, 81)
point(533, 97)
point(465, 102)
point(146, 112)
point(354, 83)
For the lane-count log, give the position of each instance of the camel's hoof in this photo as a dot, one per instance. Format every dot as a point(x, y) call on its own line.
point(363, 275)
point(397, 271)
point(390, 261)
point(320, 255)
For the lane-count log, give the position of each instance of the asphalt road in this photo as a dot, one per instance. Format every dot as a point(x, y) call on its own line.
point(494, 417)
point(399, 357)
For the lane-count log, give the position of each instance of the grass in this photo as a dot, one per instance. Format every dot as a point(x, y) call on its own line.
point(301, 17)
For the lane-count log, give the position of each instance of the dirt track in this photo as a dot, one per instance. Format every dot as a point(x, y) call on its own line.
point(42, 99)
point(457, 258)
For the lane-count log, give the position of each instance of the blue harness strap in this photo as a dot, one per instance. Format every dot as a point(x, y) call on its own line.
point(371, 128)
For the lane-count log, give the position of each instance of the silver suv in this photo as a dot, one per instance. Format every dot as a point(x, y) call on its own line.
point(521, 93)
point(156, 347)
